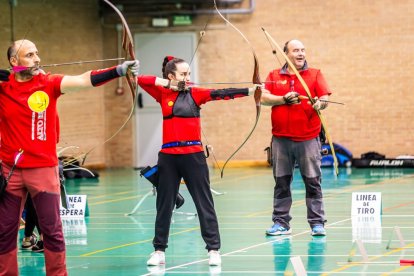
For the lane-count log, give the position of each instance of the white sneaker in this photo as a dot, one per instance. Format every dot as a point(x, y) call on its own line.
point(157, 258)
point(158, 270)
point(215, 258)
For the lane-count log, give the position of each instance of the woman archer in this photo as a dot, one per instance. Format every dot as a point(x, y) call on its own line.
point(182, 155)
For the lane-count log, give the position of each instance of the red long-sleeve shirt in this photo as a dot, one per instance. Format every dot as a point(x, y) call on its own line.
point(181, 112)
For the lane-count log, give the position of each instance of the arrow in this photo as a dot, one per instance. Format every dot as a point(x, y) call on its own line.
point(17, 69)
point(326, 101)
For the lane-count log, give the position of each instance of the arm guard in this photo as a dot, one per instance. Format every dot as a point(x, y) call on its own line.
point(229, 93)
point(102, 76)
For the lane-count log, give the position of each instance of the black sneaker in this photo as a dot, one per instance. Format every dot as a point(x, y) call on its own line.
point(38, 247)
point(29, 242)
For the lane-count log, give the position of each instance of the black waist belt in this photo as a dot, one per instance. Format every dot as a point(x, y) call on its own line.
point(181, 144)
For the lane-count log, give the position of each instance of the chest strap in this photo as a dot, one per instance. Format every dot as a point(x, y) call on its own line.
point(181, 144)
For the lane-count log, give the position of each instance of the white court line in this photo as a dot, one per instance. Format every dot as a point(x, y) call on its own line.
point(246, 248)
point(272, 272)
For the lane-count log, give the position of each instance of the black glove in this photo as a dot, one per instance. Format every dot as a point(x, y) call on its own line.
point(182, 86)
point(4, 75)
point(291, 98)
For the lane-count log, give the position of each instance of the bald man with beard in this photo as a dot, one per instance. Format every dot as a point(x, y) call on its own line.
point(28, 123)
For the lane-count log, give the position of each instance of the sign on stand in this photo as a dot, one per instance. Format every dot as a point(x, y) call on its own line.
point(366, 216)
point(367, 204)
point(76, 207)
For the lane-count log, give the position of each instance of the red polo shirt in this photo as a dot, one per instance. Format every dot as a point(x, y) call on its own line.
point(298, 122)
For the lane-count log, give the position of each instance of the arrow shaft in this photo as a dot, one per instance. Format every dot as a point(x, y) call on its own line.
point(22, 68)
point(327, 101)
point(81, 62)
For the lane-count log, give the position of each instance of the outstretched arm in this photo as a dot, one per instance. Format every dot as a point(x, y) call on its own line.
point(90, 79)
point(231, 93)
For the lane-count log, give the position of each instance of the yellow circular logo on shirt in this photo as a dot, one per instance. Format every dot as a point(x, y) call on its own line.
point(170, 103)
point(38, 101)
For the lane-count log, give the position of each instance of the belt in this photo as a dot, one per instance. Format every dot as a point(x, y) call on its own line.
point(181, 144)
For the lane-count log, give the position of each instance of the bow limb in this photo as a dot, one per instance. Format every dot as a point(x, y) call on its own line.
point(128, 47)
point(305, 86)
point(255, 80)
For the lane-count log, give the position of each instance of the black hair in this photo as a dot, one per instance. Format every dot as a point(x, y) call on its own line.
point(169, 65)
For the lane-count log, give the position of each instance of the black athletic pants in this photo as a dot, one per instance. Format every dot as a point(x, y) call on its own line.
point(31, 218)
point(194, 170)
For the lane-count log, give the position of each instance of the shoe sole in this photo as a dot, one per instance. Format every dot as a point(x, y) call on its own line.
point(153, 264)
point(318, 234)
point(279, 233)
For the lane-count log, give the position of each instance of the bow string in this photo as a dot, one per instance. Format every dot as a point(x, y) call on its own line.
point(255, 80)
point(128, 47)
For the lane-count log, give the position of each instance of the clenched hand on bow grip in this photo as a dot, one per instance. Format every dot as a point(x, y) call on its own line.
point(319, 104)
point(131, 65)
point(255, 87)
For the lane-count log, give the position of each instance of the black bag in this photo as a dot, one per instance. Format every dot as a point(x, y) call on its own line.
point(372, 155)
point(268, 151)
point(322, 136)
point(63, 195)
point(151, 174)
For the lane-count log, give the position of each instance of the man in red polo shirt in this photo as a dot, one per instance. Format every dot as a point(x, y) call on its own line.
point(28, 124)
point(295, 128)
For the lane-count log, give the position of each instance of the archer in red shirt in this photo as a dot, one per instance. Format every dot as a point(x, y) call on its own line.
point(29, 126)
point(182, 156)
point(295, 140)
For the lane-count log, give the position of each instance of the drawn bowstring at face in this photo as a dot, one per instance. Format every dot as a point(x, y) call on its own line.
point(177, 71)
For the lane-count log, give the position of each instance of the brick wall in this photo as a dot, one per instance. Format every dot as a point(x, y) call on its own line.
point(362, 47)
point(71, 31)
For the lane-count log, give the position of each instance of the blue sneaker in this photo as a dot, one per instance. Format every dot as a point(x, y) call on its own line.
point(318, 230)
point(278, 230)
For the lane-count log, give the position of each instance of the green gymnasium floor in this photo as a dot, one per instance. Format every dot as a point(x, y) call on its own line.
point(110, 243)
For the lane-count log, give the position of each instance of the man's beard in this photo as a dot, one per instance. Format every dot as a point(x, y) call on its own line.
point(30, 72)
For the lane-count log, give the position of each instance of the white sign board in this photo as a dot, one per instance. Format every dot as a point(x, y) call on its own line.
point(367, 229)
point(76, 207)
point(366, 217)
point(366, 204)
point(75, 231)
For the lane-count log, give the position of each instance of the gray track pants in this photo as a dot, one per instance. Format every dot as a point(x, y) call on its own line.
point(286, 153)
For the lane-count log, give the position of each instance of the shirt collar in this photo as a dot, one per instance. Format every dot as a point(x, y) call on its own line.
point(284, 69)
